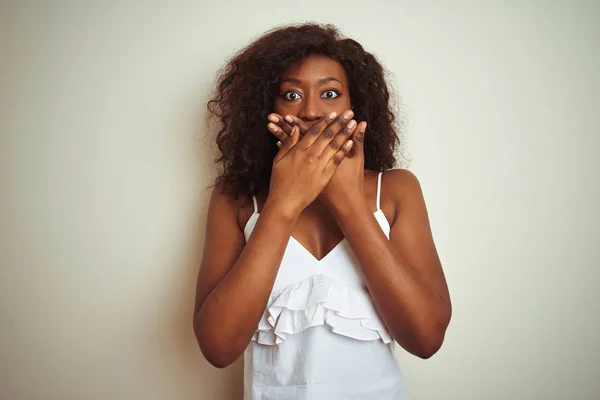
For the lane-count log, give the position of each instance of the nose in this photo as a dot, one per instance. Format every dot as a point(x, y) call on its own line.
point(310, 110)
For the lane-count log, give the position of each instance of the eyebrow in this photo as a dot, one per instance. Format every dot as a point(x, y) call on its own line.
point(322, 80)
point(329, 79)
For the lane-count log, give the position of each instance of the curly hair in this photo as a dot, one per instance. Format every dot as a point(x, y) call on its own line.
point(244, 97)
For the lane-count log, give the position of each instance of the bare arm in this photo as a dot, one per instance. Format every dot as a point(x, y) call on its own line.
point(404, 274)
point(236, 278)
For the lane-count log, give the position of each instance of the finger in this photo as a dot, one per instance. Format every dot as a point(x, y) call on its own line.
point(330, 132)
point(287, 144)
point(337, 125)
point(339, 156)
point(277, 131)
point(345, 134)
point(359, 139)
point(311, 135)
point(291, 120)
point(314, 132)
point(280, 122)
point(296, 137)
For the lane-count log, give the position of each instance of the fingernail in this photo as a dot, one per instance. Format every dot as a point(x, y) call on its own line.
point(363, 128)
point(289, 119)
point(349, 143)
point(332, 115)
point(348, 114)
point(272, 127)
point(273, 118)
point(351, 124)
point(278, 144)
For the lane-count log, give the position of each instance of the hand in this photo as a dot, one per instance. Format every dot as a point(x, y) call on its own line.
point(347, 181)
point(304, 166)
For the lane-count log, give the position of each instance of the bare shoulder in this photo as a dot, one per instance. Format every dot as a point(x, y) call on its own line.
point(400, 182)
point(220, 201)
point(223, 205)
point(400, 188)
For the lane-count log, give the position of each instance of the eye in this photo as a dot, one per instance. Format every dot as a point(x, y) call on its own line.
point(291, 96)
point(331, 94)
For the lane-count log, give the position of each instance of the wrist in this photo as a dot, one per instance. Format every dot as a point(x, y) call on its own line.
point(281, 211)
point(354, 205)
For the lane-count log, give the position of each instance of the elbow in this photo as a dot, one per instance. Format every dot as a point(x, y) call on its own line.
point(216, 357)
point(215, 351)
point(429, 340)
point(423, 345)
point(428, 348)
point(217, 362)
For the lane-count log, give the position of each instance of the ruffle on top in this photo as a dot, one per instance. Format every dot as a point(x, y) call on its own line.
point(320, 300)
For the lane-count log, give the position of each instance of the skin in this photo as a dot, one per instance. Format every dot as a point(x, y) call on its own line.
point(320, 193)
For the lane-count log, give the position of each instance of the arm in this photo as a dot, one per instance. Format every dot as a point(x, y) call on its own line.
point(404, 275)
point(235, 277)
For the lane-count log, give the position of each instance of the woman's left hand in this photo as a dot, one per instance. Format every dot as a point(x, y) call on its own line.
point(346, 183)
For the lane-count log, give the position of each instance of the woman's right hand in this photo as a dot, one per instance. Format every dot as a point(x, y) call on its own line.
point(303, 166)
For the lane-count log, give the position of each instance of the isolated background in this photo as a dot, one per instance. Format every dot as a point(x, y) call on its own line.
point(103, 173)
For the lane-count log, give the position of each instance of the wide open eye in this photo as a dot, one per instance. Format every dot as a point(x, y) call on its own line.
point(330, 94)
point(291, 96)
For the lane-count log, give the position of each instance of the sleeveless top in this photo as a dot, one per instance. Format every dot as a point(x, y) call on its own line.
point(320, 337)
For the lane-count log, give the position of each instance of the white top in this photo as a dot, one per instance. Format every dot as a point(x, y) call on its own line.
point(320, 337)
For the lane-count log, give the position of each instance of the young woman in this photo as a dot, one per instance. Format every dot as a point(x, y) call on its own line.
point(318, 255)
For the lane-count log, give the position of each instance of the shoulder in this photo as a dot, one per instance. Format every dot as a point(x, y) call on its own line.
point(225, 205)
point(400, 183)
point(401, 188)
point(220, 198)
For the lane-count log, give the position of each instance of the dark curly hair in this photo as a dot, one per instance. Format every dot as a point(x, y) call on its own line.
point(244, 97)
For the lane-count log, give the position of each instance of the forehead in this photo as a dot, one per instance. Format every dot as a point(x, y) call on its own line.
point(314, 68)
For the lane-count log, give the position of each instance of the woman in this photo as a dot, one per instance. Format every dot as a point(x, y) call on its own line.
point(318, 256)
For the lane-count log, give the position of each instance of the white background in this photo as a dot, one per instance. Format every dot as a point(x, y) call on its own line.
point(103, 170)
